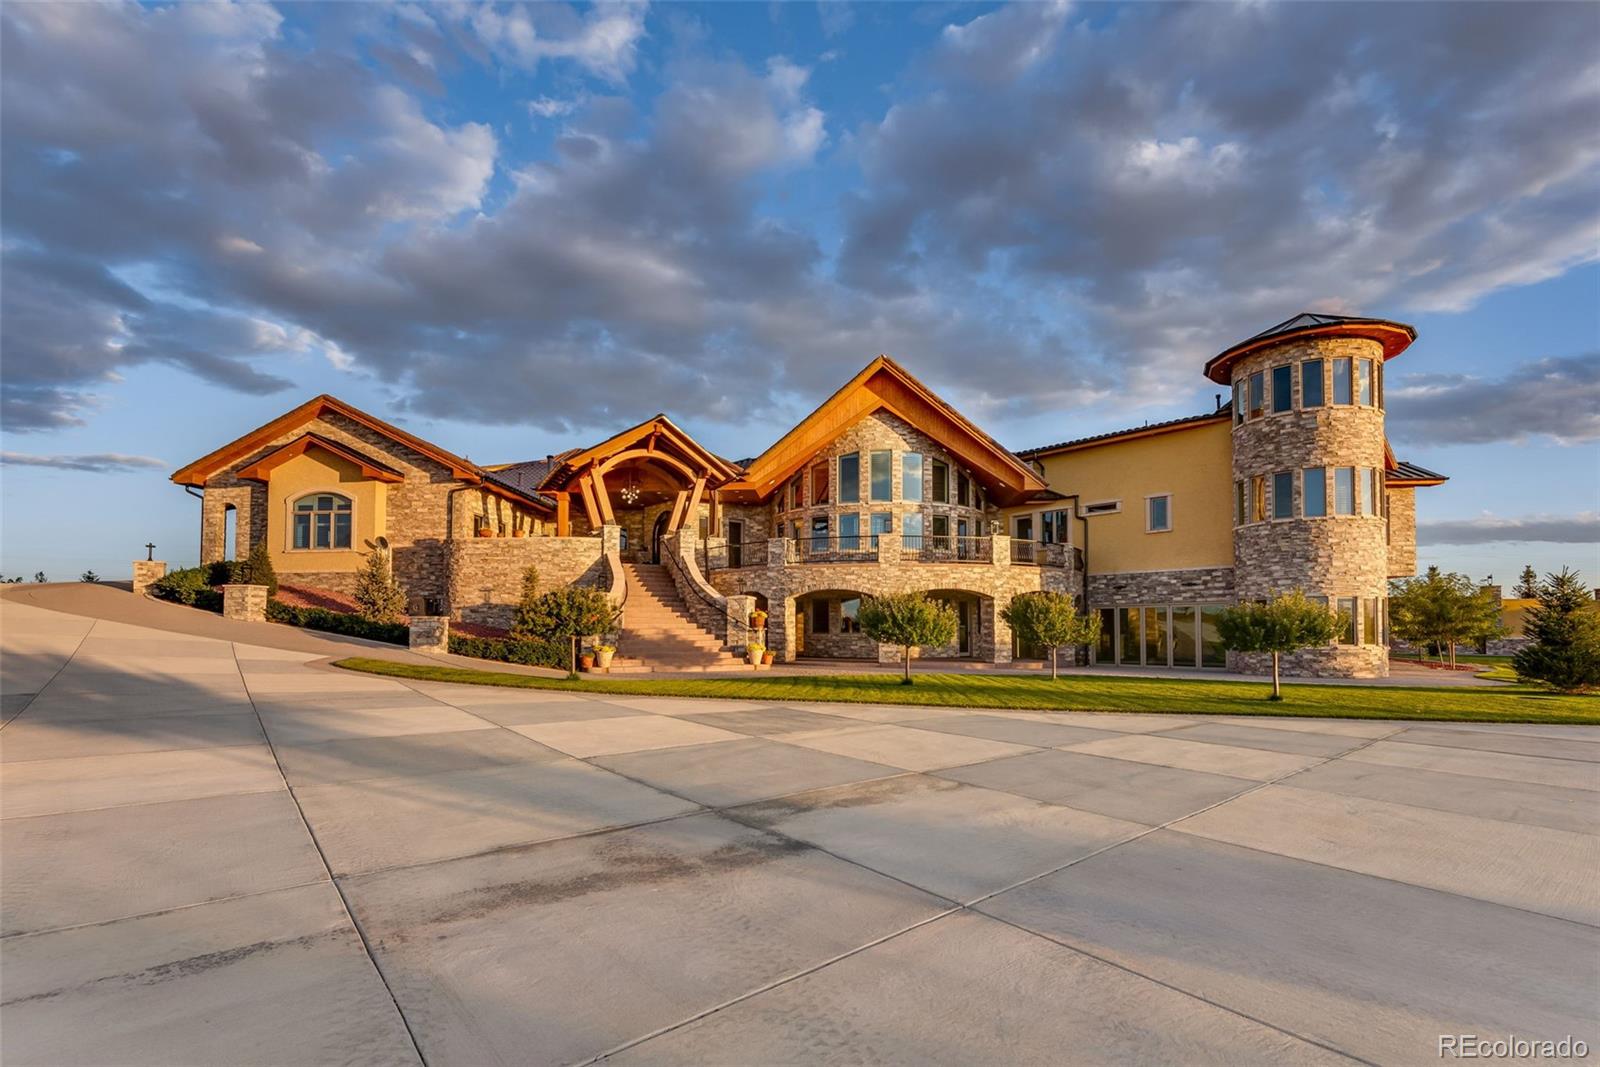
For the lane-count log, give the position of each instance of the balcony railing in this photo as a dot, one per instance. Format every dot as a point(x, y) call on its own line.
point(947, 548)
point(739, 554)
point(840, 548)
point(863, 548)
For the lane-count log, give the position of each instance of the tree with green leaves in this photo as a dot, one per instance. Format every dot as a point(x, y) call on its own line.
point(909, 620)
point(1050, 620)
point(522, 623)
point(1445, 610)
point(1287, 623)
point(258, 569)
point(1565, 628)
point(1527, 587)
point(377, 590)
point(571, 613)
point(88, 576)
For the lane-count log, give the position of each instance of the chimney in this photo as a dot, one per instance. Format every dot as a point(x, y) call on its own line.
point(1219, 401)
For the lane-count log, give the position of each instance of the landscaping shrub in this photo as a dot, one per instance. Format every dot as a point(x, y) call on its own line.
point(1565, 628)
point(377, 590)
point(258, 569)
point(189, 585)
point(335, 622)
point(227, 572)
point(532, 653)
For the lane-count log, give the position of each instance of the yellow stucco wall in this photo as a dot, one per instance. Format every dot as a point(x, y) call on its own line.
point(311, 472)
point(1193, 464)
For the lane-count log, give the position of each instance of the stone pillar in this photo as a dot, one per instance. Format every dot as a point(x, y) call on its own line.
point(739, 630)
point(146, 572)
point(246, 602)
point(780, 626)
point(610, 538)
point(995, 627)
point(430, 633)
point(1000, 550)
point(777, 553)
point(890, 550)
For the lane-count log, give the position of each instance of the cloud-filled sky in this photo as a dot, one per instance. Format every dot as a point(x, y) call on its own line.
point(518, 228)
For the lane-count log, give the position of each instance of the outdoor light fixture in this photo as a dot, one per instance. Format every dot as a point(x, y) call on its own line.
point(630, 492)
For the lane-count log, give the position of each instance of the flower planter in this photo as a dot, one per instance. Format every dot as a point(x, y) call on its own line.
point(767, 658)
point(602, 657)
point(758, 620)
point(753, 654)
point(586, 662)
point(484, 531)
point(519, 533)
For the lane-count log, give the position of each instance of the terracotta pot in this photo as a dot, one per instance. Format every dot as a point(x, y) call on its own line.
point(758, 620)
point(519, 533)
point(586, 662)
point(484, 531)
point(767, 658)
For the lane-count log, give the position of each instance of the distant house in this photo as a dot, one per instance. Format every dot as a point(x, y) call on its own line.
point(884, 487)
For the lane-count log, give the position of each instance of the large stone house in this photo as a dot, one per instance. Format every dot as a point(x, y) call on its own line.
point(883, 488)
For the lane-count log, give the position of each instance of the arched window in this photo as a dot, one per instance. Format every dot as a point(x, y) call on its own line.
point(322, 520)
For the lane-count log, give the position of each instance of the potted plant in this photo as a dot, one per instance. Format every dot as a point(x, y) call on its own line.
point(603, 654)
point(586, 661)
point(758, 620)
point(753, 652)
point(767, 657)
point(483, 529)
point(519, 531)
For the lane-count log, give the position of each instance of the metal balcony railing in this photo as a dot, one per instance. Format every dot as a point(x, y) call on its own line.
point(949, 548)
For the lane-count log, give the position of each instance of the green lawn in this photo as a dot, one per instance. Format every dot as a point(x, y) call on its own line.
point(1073, 693)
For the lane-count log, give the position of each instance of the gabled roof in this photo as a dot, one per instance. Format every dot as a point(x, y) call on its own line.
point(1395, 337)
point(371, 468)
point(1149, 429)
point(1403, 474)
point(884, 385)
point(196, 473)
point(652, 433)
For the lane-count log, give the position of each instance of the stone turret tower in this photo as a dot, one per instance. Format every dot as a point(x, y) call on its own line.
point(1309, 457)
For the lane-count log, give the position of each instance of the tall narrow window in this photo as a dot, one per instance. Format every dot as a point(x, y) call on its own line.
point(819, 616)
point(1377, 382)
point(1238, 402)
point(1341, 381)
point(1314, 492)
point(941, 533)
point(796, 498)
point(941, 482)
point(882, 475)
point(1212, 651)
point(850, 478)
point(1369, 620)
point(1239, 513)
point(1158, 514)
point(322, 521)
point(963, 489)
point(1283, 495)
point(911, 530)
point(819, 533)
point(1364, 381)
point(1128, 626)
point(850, 532)
point(1024, 528)
point(1347, 608)
point(819, 482)
point(1344, 490)
point(1184, 646)
point(1282, 388)
point(1258, 498)
point(1373, 491)
point(1311, 383)
point(848, 612)
point(1258, 399)
point(911, 476)
point(882, 523)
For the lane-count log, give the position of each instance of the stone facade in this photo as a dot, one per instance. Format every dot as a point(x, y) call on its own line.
point(146, 573)
point(244, 602)
point(1194, 586)
point(1400, 506)
point(430, 633)
point(485, 573)
point(1336, 556)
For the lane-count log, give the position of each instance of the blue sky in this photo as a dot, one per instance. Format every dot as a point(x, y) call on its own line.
point(512, 229)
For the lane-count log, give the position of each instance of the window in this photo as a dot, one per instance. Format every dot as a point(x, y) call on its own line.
point(1283, 495)
point(1347, 608)
point(1184, 648)
point(941, 482)
point(819, 483)
point(1128, 633)
point(819, 616)
point(850, 478)
point(1369, 621)
point(1314, 492)
point(1344, 490)
point(796, 499)
point(1377, 382)
point(941, 533)
point(1158, 514)
point(849, 532)
point(1341, 381)
point(322, 521)
point(1238, 402)
point(1155, 636)
point(1212, 654)
point(1238, 504)
point(911, 530)
point(1258, 498)
point(911, 476)
point(1053, 529)
point(1105, 648)
point(1364, 381)
point(882, 475)
point(1311, 383)
point(1023, 528)
point(849, 616)
point(1282, 388)
point(819, 533)
point(882, 523)
point(622, 539)
point(963, 489)
point(1373, 490)
point(1103, 507)
point(1258, 399)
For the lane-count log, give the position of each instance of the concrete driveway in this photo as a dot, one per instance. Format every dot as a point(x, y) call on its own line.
point(215, 852)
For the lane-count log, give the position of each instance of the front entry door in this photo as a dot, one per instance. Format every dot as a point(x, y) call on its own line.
point(655, 537)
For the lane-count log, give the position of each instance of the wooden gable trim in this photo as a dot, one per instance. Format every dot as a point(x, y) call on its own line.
point(885, 385)
point(370, 468)
point(650, 439)
point(196, 473)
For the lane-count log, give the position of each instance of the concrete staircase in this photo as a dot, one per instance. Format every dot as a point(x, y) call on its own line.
point(658, 633)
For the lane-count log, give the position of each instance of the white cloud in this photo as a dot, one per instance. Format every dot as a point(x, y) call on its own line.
point(1580, 529)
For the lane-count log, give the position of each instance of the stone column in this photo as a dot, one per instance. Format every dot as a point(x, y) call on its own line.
point(146, 572)
point(1000, 550)
point(890, 552)
point(995, 628)
point(246, 602)
point(777, 553)
point(430, 633)
point(739, 631)
point(610, 538)
point(780, 624)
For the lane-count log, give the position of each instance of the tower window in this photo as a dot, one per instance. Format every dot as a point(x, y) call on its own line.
point(1238, 402)
point(1347, 608)
point(1344, 490)
point(1311, 383)
point(850, 478)
point(1314, 492)
point(1258, 400)
point(1258, 498)
point(1341, 381)
point(1283, 495)
point(882, 478)
point(1282, 389)
point(1364, 381)
point(911, 476)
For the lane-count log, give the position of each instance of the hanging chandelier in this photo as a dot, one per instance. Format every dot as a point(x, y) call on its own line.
point(630, 491)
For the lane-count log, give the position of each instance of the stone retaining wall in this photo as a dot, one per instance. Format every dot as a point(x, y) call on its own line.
point(485, 573)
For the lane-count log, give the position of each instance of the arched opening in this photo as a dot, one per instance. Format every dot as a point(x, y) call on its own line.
point(972, 638)
point(657, 532)
point(827, 626)
point(230, 532)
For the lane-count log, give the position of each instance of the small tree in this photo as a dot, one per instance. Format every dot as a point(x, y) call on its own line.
point(522, 624)
point(1050, 620)
point(377, 591)
point(570, 612)
point(1527, 586)
point(1565, 628)
point(88, 576)
point(909, 620)
point(258, 569)
point(38, 576)
point(1443, 609)
point(1287, 623)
